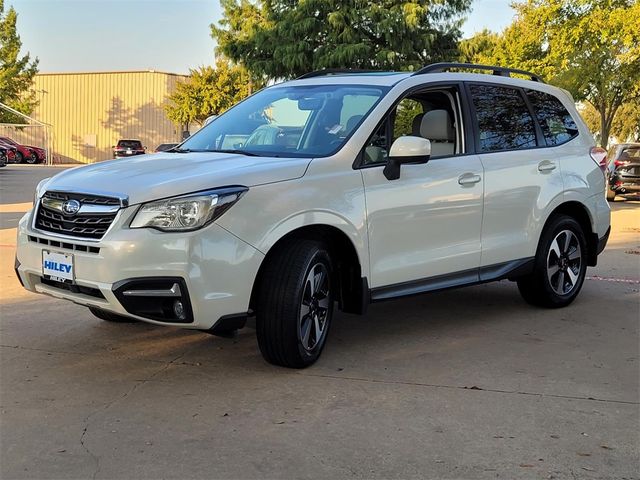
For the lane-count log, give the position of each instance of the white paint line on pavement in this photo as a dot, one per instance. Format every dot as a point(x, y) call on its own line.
point(613, 279)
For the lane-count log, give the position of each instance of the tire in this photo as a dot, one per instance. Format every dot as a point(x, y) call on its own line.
point(559, 269)
point(18, 158)
point(32, 159)
point(292, 316)
point(111, 317)
point(611, 195)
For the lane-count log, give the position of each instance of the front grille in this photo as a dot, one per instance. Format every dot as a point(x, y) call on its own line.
point(92, 292)
point(81, 225)
point(84, 198)
point(65, 245)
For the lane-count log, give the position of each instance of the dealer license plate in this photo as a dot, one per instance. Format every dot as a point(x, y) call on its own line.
point(58, 266)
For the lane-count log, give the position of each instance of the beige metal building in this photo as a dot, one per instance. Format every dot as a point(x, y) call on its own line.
point(89, 112)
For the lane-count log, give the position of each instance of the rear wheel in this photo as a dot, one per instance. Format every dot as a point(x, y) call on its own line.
point(111, 317)
point(560, 265)
point(295, 304)
point(18, 157)
point(32, 158)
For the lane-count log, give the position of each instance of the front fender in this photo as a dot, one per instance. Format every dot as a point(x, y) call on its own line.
point(322, 197)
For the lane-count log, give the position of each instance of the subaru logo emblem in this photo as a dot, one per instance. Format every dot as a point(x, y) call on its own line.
point(70, 207)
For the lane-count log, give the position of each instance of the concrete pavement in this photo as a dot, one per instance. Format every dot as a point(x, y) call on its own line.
point(468, 383)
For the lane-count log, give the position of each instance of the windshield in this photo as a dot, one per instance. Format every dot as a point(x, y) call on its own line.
point(302, 121)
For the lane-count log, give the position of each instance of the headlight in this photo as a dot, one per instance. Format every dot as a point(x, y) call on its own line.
point(187, 212)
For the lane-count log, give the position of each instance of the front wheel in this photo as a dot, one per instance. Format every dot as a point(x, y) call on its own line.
point(295, 304)
point(18, 157)
point(560, 265)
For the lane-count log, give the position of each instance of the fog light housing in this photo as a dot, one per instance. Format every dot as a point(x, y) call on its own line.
point(163, 299)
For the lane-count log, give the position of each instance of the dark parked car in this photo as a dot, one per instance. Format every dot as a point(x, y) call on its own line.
point(128, 148)
point(163, 147)
point(623, 170)
point(25, 153)
point(3, 156)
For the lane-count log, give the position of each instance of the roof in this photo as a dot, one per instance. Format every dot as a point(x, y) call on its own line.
point(389, 79)
point(109, 72)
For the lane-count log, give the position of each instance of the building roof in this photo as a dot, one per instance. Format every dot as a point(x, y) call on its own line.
point(114, 72)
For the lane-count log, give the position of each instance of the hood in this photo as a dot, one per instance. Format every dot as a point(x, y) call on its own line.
point(150, 177)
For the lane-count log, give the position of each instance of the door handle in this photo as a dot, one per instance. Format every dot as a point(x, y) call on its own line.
point(546, 166)
point(469, 179)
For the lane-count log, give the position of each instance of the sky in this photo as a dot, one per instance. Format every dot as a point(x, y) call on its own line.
point(164, 35)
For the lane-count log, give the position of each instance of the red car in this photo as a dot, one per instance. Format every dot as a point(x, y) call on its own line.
point(25, 153)
point(9, 151)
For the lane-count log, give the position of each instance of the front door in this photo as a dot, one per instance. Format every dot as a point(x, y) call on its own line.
point(427, 223)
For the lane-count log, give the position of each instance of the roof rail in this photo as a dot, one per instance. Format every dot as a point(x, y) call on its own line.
point(334, 71)
point(501, 71)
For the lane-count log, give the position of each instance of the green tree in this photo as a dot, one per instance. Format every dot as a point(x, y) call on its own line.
point(287, 38)
point(589, 47)
point(480, 48)
point(626, 122)
point(208, 91)
point(16, 72)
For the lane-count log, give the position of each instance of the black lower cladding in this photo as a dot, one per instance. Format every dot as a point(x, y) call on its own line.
point(228, 324)
point(154, 307)
point(474, 276)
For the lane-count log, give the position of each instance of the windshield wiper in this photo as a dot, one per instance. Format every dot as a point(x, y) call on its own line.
point(225, 150)
point(232, 150)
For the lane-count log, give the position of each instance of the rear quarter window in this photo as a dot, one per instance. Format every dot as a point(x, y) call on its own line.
point(557, 125)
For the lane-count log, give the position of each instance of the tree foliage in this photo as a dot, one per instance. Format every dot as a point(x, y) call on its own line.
point(626, 123)
point(589, 47)
point(480, 48)
point(287, 38)
point(208, 91)
point(16, 72)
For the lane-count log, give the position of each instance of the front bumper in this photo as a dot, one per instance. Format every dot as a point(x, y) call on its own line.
point(217, 268)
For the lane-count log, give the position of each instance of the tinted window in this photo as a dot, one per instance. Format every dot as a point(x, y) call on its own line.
point(504, 121)
point(130, 144)
point(630, 153)
point(554, 119)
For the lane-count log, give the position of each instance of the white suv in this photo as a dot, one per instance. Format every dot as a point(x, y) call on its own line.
point(347, 187)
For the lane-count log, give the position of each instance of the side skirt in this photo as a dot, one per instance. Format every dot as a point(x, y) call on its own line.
point(490, 273)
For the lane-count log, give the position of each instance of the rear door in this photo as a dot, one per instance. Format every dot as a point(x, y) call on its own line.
point(521, 177)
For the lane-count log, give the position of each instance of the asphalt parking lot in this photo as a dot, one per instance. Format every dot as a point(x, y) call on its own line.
point(469, 383)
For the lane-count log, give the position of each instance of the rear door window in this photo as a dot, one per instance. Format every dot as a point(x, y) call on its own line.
point(503, 118)
point(556, 122)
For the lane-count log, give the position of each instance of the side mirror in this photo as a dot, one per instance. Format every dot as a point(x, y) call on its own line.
point(406, 149)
